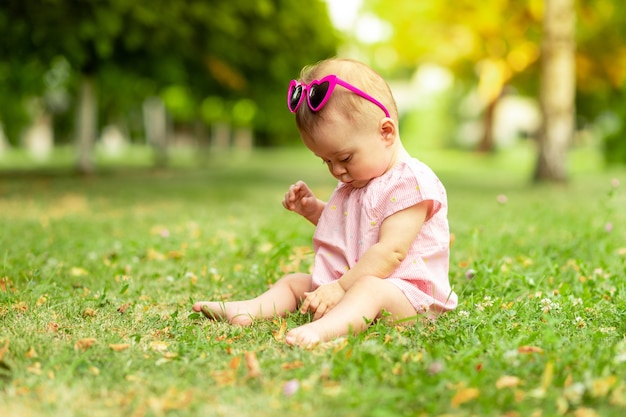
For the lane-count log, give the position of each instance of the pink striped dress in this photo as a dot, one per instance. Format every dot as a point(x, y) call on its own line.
point(350, 224)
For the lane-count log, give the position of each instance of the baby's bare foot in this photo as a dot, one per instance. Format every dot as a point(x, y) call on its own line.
point(235, 312)
point(306, 336)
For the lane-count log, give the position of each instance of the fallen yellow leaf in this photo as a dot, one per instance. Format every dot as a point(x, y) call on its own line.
point(464, 395)
point(119, 347)
point(618, 396)
point(507, 381)
point(158, 346)
point(155, 255)
point(31, 353)
point(529, 349)
point(548, 374)
point(279, 335)
point(175, 254)
point(254, 370)
point(4, 349)
point(35, 368)
point(78, 272)
point(20, 307)
point(585, 412)
point(601, 386)
point(84, 344)
point(292, 365)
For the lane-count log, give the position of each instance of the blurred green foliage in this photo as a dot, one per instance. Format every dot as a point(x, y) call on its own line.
point(185, 51)
point(495, 45)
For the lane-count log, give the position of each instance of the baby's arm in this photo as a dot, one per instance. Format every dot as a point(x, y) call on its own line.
point(301, 199)
point(397, 233)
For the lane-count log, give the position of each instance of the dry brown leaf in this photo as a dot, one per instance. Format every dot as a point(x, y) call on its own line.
point(585, 412)
point(464, 395)
point(6, 285)
point(123, 308)
point(118, 347)
point(602, 386)
point(42, 300)
point(31, 353)
point(4, 349)
point(20, 307)
point(226, 377)
point(89, 312)
point(529, 349)
point(52, 327)
point(84, 344)
point(35, 368)
point(507, 381)
point(279, 335)
point(234, 363)
point(292, 365)
point(175, 254)
point(158, 346)
point(254, 370)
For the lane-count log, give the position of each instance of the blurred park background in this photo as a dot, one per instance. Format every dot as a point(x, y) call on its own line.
point(87, 81)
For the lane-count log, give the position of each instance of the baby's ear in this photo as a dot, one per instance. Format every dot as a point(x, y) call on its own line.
point(388, 130)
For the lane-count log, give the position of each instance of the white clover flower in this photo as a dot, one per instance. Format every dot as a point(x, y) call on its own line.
point(577, 301)
point(579, 322)
point(549, 305)
point(487, 302)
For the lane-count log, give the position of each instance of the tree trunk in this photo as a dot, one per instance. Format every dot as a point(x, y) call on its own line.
point(155, 122)
point(558, 85)
point(487, 143)
point(86, 125)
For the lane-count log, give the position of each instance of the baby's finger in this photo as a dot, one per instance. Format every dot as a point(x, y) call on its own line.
point(310, 303)
point(320, 311)
point(304, 308)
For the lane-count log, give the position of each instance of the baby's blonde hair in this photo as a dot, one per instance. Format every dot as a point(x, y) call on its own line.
point(352, 107)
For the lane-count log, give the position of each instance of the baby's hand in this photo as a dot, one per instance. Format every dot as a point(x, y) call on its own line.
point(322, 300)
point(300, 199)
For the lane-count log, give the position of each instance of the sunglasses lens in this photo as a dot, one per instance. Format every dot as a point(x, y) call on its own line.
point(317, 94)
point(295, 95)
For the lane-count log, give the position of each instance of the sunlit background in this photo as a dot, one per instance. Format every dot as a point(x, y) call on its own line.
point(80, 84)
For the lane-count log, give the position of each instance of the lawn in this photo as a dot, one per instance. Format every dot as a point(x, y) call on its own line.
point(98, 273)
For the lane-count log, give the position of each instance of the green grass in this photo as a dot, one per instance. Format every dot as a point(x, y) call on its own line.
point(99, 274)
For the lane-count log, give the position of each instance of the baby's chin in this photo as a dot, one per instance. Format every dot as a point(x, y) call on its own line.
point(358, 183)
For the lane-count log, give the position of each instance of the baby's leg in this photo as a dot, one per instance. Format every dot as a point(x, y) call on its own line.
point(364, 300)
point(284, 296)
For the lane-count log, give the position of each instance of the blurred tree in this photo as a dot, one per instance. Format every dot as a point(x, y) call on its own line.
point(490, 42)
point(133, 49)
point(497, 43)
point(601, 73)
point(558, 85)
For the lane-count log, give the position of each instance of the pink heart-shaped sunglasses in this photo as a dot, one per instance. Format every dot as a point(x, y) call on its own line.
point(317, 93)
